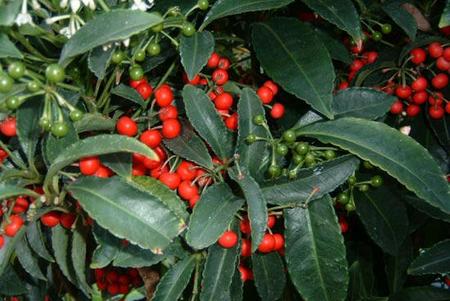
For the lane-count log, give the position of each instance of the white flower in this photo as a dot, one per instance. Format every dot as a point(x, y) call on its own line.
point(75, 5)
point(405, 130)
point(141, 5)
point(24, 17)
point(126, 42)
point(35, 4)
point(89, 3)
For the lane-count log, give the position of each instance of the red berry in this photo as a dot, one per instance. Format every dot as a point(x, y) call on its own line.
point(157, 172)
point(67, 220)
point(124, 289)
point(244, 226)
point(232, 122)
point(2, 241)
point(419, 84)
point(223, 101)
point(195, 81)
point(436, 112)
point(343, 224)
point(277, 111)
point(135, 83)
point(447, 108)
point(418, 56)
point(103, 172)
point(435, 49)
point(112, 276)
point(267, 244)
point(272, 86)
point(343, 85)
point(203, 179)
point(224, 63)
point(420, 97)
point(265, 94)
point(169, 112)
point(193, 201)
point(271, 221)
point(412, 110)
point(171, 128)
point(246, 248)
point(403, 91)
point(145, 90)
point(15, 223)
point(89, 165)
point(356, 65)
point(220, 76)
point(126, 126)
point(170, 179)
point(440, 81)
point(446, 54)
point(186, 170)
point(279, 241)
point(228, 239)
point(8, 127)
point(51, 219)
point(21, 205)
point(164, 96)
point(372, 56)
point(113, 289)
point(442, 64)
point(187, 190)
point(436, 99)
point(397, 107)
point(151, 138)
point(246, 273)
point(213, 61)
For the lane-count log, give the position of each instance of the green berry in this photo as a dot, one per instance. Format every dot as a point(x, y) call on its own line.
point(289, 136)
point(367, 165)
point(297, 159)
point(203, 4)
point(16, 70)
point(136, 72)
point(292, 174)
point(377, 36)
point(188, 29)
point(386, 28)
point(118, 57)
point(158, 27)
point(302, 148)
point(60, 129)
point(259, 120)
point(376, 181)
point(363, 188)
point(153, 49)
point(330, 154)
point(13, 102)
point(33, 86)
point(45, 124)
point(6, 83)
point(55, 73)
point(173, 11)
point(76, 115)
point(350, 206)
point(343, 198)
point(274, 171)
point(351, 180)
point(139, 56)
point(250, 139)
point(309, 158)
point(282, 149)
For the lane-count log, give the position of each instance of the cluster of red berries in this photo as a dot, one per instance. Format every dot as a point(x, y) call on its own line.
point(365, 58)
point(8, 127)
point(421, 90)
point(267, 93)
point(117, 281)
point(3, 155)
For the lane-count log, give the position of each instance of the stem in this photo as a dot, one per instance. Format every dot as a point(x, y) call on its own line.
point(196, 280)
point(166, 75)
point(103, 5)
point(170, 38)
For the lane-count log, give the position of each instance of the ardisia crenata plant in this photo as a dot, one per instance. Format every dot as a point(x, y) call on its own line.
point(224, 150)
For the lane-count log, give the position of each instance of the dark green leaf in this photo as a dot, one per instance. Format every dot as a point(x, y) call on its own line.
point(128, 93)
point(270, 279)
point(305, 68)
point(98, 61)
point(308, 118)
point(336, 49)
point(426, 208)
point(435, 260)
point(224, 8)
point(211, 216)
point(8, 12)
point(173, 283)
point(237, 287)
point(36, 241)
point(445, 17)
point(190, 147)
point(361, 279)
point(195, 52)
point(441, 130)
point(7, 48)
point(120, 163)
point(380, 144)
point(128, 212)
point(8, 248)
point(257, 208)
point(205, 119)
point(60, 245)
point(315, 251)
point(401, 17)
point(108, 27)
point(341, 13)
point(28, 260)
point(311, 183)
point(28, 131)
point(94, 122)
point(422, 293)
point(10, 283)
point(54, 146)
point(396, 266)
point(79, 261)
point(7, 191)
point(107, 249)
point(133, 256)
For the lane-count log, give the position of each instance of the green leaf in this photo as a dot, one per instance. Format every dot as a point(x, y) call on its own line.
point(441, 130)
point(127, 211)
point(435, 260)
point(426, 208)
point(133, 256)
point(54, 146)
point(336, 49)
point(120, 163)
point(108, 27)
point(257, 208)
point(60, 245)
point(98, 61)
point(250, 155)
point(128, 93)
point(380, 144)
point(361, 279)
point(396, 266)
point(211, 216)
point(270, 279)
point(173, 283)
point(8, 49)
point(36, 241)
point(8, 248)
point(311, 183)
point(401, 17)
point(205, 119)
point(27, 259)
point(422, 293)
point(315, 251)
point(7, 191)
point(190, 147)
point(237, 287)
point(195, 52)
point(107, 249)
point(445, 17)
point(10, 283)
point(94, 146)
point(305, 69)
point(8, 12)
point(384, 217)
point(28, 131)
point(79, 261)
point(218, 272)
point(362, 103)
point(341, 13)
point(94, 122)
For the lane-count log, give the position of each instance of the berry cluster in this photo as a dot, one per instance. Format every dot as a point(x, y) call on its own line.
point(360, 61)
point(8, 127)
point(117, 281)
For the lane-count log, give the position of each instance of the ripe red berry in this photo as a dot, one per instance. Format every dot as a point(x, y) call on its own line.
point(420, 97)
point(151, 138)
point(271, 221)
point(126, 126)
point(265, 94)
point(224, 63)
point(2, 241)
point(138, 169)
point(246, 247)
point(419, 84)
point(244, 226)
point(193, 201)
point(267, 243)
point(186, 170)
point(435, 49)
point(164, 96)
point(103, 172)
point(356, 65)
point(412, 110)
point(51, 219)
point(20, 206)
point(124, 289)
point(372, 56)
point(436, 99)
point(397, 107)
point(442, 64)
point(446, 53)
point(223, 101)
point(8, 127)
point(232, 122)
point(228, 239)
point(246, 273)
point(195, 81)
point(447, 107)
point(113, 289)
point(440, 81)
point(135, 83)
point(213, 61)
point(89, 165)
point(220, 76)
point(272, 86)
point(67, 219)
point(169, 112)
point(343, 85)
point(158, 171)
point(418, 56)
point(170, 179)
point(145, 90)
point(187, 190)
point(403, 91)
point(343, 224)
point(277, 111)
point(15, 223)
point(279, 241)
point(171, 128)
point(436, 112)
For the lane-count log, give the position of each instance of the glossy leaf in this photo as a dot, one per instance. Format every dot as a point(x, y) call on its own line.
point(311, 183)
point(108, 247)
point(190, 147)
point(257, 207)
point(315, 251)
point(224, 8)
point(78, 256)
point(195, 52)
point(250, 155)
point(304, 67)
point(335, 47)
point(378, 143)
point(8, 49)
point(108, 27)
point(341, 13)
point(28, 116)
point(441, 130)
point(211, 216)
point(236, 287)
point(120, 163)
point(10, 282)
point(36, 241)
point(269, 273)
point(128, 93)
point(435, 260)
point(445, 17)
point(8, 248)
point(7, 191)
point(401, 17)
point(173, 283)
point(205, 119)
point(54, 146)
point(94, 122)
point(98, 61)
point(422, 293)
point(396, 266)
point(28, 260)
point(140, 217)
point(136, 257)
point(426, 208)
point(384, 217)
point(60, 245)
point(9, 11)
